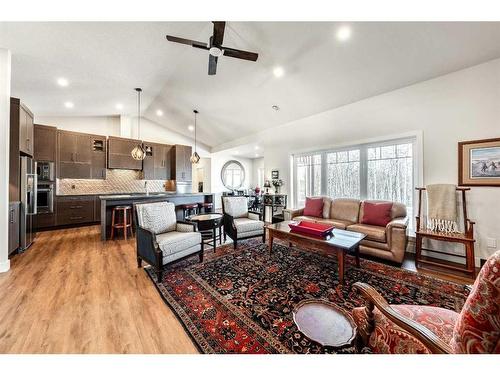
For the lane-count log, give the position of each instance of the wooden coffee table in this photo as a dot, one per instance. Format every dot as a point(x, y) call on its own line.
point(340, 242)
point(324, 323)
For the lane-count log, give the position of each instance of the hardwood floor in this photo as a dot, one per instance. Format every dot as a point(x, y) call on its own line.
point(72, 293)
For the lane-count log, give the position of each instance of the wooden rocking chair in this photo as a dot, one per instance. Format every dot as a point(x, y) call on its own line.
point(466, 238)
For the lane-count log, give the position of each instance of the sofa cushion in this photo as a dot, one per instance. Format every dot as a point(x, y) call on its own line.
point(236, 206)
point(376, 213)
point(345, 209)
point(340, 224)
point(373, 232)
point(174, 242)
point(158, 217)
point(314, 207)
point(248, 225)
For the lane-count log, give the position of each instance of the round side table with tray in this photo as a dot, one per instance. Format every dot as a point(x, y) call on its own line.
point(325, 323)
point(207, 225)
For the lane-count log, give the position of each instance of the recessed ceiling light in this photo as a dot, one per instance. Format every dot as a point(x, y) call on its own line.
point(275, 107)
point(119, 106)
point(256, 155)
point(343, 33)
point(256, 147)
point(278, 72)
point(159, 112)
point(69, 104)
point(63, 82)
point(191, 128)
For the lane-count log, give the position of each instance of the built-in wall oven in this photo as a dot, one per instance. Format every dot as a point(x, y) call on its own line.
point(45, 198)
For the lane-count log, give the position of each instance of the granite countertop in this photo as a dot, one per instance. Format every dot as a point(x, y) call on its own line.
point(146, 196)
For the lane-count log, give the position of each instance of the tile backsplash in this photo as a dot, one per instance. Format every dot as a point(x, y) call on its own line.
point(117, 181)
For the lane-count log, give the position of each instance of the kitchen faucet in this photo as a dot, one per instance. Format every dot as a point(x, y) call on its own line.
point(146, 187)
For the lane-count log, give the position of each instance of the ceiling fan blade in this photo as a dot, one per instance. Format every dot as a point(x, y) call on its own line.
point(218, 36)
point(212, 65)
point(239, 54)
point(189, 42)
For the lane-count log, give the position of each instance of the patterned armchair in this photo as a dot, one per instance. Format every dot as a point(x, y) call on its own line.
point(240, 224)
point(161, 239)
point(426, 329)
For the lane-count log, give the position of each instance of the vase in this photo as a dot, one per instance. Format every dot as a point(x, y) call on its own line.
point(276, 190)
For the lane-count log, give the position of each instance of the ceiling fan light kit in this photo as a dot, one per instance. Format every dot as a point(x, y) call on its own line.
point(138, 152)
point(215, 48)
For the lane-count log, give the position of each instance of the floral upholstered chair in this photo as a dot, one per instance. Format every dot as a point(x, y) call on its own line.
point(240, 224)
point(427, 329)
point(161, 239)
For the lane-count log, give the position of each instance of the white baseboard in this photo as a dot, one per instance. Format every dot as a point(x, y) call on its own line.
point(5, 266)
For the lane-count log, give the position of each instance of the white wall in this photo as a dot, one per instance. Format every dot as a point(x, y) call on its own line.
point(257, 164)
point(5, 77)
point(464, 105)
point(100, 125)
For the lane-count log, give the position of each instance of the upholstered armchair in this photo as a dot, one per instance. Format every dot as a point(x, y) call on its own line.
point(240, 224)
point(427, 329)
point(161, 239)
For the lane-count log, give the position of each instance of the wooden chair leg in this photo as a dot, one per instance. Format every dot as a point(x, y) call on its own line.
point(125, 224)
point(112, 225)
point(159, 275)
point(418, 249)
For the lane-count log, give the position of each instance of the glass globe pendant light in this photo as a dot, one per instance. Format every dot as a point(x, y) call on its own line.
point(195, 158)
point(138, 153)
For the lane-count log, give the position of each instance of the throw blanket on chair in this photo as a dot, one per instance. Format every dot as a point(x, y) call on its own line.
point(442, 208)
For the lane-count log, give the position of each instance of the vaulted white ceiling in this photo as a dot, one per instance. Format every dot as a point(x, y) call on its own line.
point(105, 61)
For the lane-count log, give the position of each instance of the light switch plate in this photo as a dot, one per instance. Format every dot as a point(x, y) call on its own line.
point(492, 243)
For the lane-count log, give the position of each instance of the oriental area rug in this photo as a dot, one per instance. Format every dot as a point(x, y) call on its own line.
point(241, 301)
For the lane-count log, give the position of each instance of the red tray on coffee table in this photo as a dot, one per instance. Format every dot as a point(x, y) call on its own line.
point(314, 229)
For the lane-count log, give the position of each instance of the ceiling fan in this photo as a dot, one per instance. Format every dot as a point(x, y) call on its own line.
point(215, 47)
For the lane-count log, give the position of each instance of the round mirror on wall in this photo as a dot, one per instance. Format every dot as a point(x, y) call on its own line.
point(233, 175)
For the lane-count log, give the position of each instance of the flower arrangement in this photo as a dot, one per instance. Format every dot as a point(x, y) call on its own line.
point(277, 183)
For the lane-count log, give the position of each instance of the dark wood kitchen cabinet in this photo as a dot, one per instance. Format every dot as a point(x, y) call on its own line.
point(71, 210)
point(181, 168)
point(14, 218)
point(25, 126)
point(81, 155)
point(157, 165)
point(20, 142)
point(45, 141)
point(98, 144)
point(119, 154)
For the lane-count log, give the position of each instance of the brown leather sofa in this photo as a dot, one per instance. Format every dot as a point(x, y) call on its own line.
point(387, 242)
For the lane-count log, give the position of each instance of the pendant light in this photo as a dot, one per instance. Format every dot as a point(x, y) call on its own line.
point(138, 153)
point(195, 158)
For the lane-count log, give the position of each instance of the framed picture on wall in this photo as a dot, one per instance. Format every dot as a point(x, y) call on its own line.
point(479, 162)
point(275, 174)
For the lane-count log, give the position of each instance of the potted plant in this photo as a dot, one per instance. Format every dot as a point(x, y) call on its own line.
point(277, 183)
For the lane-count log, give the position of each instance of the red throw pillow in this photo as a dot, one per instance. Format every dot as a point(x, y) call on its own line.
point(377, 213)
point(314, 207)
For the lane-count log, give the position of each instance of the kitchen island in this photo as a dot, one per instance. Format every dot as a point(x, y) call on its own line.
point(110, 201)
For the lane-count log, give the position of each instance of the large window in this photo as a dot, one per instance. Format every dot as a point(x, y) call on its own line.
point(308, 175)
point(368, 171)
point(342, 170)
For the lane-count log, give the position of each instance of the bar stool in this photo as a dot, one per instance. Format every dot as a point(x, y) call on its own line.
point(125, 214)
point(206, 208)
point(189, 209)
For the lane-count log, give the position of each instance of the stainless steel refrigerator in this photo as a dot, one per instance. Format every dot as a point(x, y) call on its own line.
point(28, 201)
